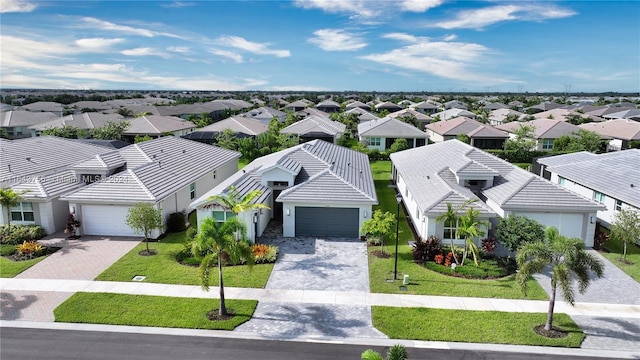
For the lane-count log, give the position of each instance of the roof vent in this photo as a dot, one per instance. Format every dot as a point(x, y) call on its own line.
point(160, 164)
point(632, 185)
point(184, 151)
point(28, 158)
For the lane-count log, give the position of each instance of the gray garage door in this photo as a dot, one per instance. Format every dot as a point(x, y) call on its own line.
point(329, 222)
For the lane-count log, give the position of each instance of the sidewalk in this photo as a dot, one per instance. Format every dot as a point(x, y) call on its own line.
point(319, 297)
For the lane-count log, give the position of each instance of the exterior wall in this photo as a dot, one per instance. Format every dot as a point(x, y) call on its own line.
point(289, 215)
point(569, 224)
point(435, 137)
point(36, 216)
point(380, 147)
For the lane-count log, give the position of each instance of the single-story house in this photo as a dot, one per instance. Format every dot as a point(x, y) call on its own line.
point(84, 121)
point(426, 107)
point(501, 116)
point(480, 135)
point(546, 131)
point(620, 131)
point(265, 114)
point(316, 127)
point(382, 133)
point(156, 126)
point(328, 106)
point(612, 179)
point(387, 105)
point(315, 189)
point(453, 113)
point(357, 104)
point(543, 106)
point(298, 105)
point(168, 172)
point(455, 104)
point(17, 123)
point(363, 115)
point(44, 106)
point(421, 119)
point(431, 176)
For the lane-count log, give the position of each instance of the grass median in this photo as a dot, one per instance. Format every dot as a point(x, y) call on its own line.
point(144, 310)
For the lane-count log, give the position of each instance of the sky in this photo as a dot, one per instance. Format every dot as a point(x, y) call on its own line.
point(322, 45)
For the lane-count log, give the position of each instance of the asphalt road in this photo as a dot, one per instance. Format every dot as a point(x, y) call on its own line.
point(20, 344)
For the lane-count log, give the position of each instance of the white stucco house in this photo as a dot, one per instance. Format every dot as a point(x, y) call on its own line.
point(315, 189)
point(431, 176)
point(380, 134)
point(612, 179)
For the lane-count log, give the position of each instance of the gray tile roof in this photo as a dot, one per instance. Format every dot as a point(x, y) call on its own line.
point(544, 128)
point(43, 106)
point(465, 126)
point(237, 124)
point(48, 186)
point(433, 167)
point(610, 173)
point(157, 125)
point(390, 127)
point(86, 121)
point(452, 113)
point(111, 160)
point(25, 118)
point(357, 104)
point(315, 124)
point(624, 129)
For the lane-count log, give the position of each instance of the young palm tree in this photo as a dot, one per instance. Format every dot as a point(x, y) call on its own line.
point(396, 352)
point(213, 240)
point(450, 218)
point(470, 229)
point(238, 204)
point(8, 199)
point(567, 259)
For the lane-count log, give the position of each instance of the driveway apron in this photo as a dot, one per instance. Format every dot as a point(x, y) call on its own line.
point(307, 263)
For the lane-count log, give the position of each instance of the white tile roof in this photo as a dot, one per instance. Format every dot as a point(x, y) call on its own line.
point(390, 127)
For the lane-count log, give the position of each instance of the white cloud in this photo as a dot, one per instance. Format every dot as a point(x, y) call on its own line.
point(97, 44)
point(145, 51)
point(401, 37)
point(250, 46)
point(109, 26)
point(419, 5)
point(177, 4)
point(179, 49)
point(227, 54)
point(450, 37)
point(480, 18)
point(336, 40)
point(7, 6)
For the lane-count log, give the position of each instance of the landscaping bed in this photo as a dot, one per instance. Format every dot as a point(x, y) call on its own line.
point(13, 262)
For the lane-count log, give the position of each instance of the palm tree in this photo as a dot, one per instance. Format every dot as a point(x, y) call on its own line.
point(396, 352)
point(470, 230)
point(8, 199)
point(213, 240)
point(567, 259)
point(450, 218)
point(236, 203)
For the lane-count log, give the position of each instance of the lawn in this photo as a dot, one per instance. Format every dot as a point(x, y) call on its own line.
point(144, 310)
point(163, 268)
point(493, 327)
point(422, 280)
point(614, 254)
point(10, 268)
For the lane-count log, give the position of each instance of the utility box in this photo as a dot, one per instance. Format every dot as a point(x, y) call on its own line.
point(405, 280)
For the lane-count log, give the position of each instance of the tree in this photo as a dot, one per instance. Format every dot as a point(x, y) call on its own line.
point(215, 239)
point(396, 352)
point(227, 139)
point(399, 145)
point(143, 218)
point(581, 140)
point(464, 138)
point(470, 229)
point(237, 203)
point(8, 199)
point(626, 229)
point(524, 140)
point(380, 225)
point(566, 258)
point(111, 130)
point(452, 220)
point(139, 139)
point(66, 131)
point(515, 230)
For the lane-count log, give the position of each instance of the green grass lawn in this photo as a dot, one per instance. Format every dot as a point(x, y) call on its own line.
point(10, 268)
point(424, 281)
point(143, 310)
point(614, 254)
point(472, 326)
point(163, 268)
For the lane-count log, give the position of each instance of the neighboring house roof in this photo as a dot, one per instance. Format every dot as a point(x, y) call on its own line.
point(452, 113)
point(315, 124)
point(465, 126)
point(624, 114)
point(543, 128)
point(85, 104)
point(495, 106)
point(265, 114)
point(363, 115)
point(357, 104)
point(157, 125)
point(616, 174)
point(325, 173)
point(411, 112)
point(455, 104)
point(390, 128)
point(41, 155)
point(237, 124)
point(388, 106)
point(425, 105)
point(111, 144)
point(564, 114)
point(48, 186)
point(303, 103)
point(435, 167)
point(43, 106)
point(328, 104)
point(545, 105)
point(172, 163)
point(25, 118)
point(311, 111)
point(624, 129)
point(85, 121)
point(233, 104)
point(500, 115)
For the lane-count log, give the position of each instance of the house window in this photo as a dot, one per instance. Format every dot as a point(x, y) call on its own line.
point(599, 197)
point(561, 180)
point(374, 141)
point(22, 212)
point(618, 205)
point(547, 144)
point(192, 190)
point(222, 216)
point(449, 230)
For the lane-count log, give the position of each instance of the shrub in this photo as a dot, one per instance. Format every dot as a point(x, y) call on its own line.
point(488, 269)
point(374, 240)
point(265, 253)
point(20, 234)
point(489, 245)
point(439, 259)
point(600, 240)
point(29, 250)
point(426, 250)
point(176, 222)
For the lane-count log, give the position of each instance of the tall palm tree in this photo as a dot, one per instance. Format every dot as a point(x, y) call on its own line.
point(236, 203)
point(567, 259)
point(8, 199)
point(213, 240)
point(470, 229)
point(450, 218)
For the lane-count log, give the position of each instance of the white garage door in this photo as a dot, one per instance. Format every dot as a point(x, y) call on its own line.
point(568, 224)
point(107, 220)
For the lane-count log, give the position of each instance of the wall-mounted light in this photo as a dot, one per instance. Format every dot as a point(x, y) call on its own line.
point(255, 218)
point(592, 220)
point(288, 212)
point(365, 214)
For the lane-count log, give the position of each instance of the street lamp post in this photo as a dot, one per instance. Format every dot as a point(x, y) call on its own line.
point(395, 266)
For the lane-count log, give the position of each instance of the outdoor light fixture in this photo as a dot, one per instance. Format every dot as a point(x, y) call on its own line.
point(591, 220)
point(288, 212)
point(395, 265)
point(365, 214)
point(255, 218)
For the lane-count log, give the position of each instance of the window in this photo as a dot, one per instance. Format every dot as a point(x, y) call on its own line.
point(449, 230)
point(547, 144)
point(222, 216)
point(561, 180)
point(22, 212)
point(192, 190)
point(618, 205)
point(599, 197)
point(281, 183)
point(374, 141)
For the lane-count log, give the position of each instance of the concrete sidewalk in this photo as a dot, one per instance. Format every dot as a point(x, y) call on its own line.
point(319, 297)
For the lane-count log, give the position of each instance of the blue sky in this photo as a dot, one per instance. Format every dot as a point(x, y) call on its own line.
point(322, 45)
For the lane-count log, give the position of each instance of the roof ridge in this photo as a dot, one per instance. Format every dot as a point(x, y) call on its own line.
point(100, 160)
point(41, 187)
point(349, 183)
point(239, 123)
point(142, 185)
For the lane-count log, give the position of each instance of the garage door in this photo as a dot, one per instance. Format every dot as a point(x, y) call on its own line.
point(568, 224)
point(327, 222)
point(105, 220)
